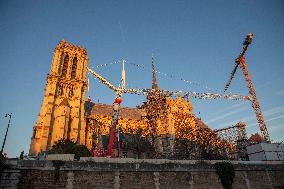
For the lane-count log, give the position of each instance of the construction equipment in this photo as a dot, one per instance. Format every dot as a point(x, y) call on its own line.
point(236, 135)
point(239, 61)
point(120, 90)
point(113, 135)
point(255, 104)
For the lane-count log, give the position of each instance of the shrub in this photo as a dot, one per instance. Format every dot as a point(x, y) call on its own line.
point(65, 146)
point(226, 173)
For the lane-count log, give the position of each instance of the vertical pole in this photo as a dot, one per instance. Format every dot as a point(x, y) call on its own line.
point(255, 103)
point(10, 115)
point(118, 142)
point(123, 76)
point(112, 136)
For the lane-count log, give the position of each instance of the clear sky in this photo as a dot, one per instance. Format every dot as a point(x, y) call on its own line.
point(194, 40)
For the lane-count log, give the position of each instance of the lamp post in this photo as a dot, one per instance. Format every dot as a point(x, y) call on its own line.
point(10, 115)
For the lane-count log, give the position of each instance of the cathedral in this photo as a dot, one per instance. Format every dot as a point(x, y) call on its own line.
point(64, 113)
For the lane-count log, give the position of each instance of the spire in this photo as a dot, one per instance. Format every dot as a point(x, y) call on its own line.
point(122, 76)
point(154, 79)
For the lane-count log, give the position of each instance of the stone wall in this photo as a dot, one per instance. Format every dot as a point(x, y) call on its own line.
point(137, 173)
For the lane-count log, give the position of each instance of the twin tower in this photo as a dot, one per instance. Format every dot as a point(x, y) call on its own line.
point(62, 110)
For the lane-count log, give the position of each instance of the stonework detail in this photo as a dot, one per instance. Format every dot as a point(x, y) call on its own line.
point(62, 110)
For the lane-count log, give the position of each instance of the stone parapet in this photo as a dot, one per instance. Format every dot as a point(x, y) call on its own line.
point(130, 164)
point(136, 173)
point(62, 157)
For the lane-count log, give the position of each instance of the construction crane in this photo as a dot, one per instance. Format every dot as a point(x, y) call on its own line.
point(121, 89)
point(113, 135)
point(255, 104)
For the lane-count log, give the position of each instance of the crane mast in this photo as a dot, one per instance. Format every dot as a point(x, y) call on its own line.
point(113, 134)
point(254, 101)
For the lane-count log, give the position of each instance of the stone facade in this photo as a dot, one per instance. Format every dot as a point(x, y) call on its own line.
point(166, 121)
point(62, 110)
point(138, 174)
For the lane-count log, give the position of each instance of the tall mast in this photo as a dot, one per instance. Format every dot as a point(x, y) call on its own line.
point(123, 76)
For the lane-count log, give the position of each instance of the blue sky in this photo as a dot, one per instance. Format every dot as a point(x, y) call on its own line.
point(193, 40)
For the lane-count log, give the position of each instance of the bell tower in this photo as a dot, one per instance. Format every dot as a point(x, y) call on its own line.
point(62, 111)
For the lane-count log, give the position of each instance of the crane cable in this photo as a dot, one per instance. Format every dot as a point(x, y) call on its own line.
point(184, 94)
point(158, 72)
point(199, 95)
point(174, 77)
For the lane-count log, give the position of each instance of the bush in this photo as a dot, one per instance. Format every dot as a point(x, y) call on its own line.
point(226, 173)
point(65, 146)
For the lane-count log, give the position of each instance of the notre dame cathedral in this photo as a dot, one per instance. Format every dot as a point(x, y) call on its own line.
point(62, 110)
point(64, 114)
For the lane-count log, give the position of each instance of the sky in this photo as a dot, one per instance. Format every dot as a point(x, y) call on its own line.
point(194, 40)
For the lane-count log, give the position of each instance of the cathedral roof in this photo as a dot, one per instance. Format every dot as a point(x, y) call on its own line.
point(124, 112)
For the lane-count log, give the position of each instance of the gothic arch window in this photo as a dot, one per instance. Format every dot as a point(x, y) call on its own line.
point(71, 93)
point(60, 62)
point(60, 90)
point(65, 65)
point(74, 67)
point(34, 133)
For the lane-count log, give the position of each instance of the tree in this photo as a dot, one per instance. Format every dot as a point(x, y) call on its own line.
point(256, 138)
point(65, 146)
point(136, 143)
point(184, 149)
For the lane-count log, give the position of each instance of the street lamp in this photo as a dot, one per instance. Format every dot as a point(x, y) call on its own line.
point(10, 115)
